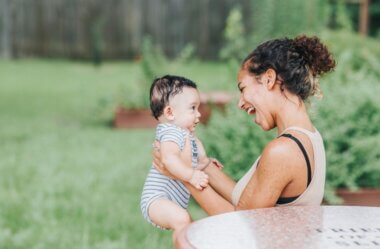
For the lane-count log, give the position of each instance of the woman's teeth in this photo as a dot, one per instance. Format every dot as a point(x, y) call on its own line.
point(251, 110)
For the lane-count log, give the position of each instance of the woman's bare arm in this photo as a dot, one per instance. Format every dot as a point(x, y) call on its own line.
point(220, 182)
point(272, 175)
point(210, 201)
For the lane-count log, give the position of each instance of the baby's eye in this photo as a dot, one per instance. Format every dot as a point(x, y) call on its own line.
point(193, 107)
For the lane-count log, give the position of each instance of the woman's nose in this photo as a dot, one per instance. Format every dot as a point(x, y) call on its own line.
point(241, 103)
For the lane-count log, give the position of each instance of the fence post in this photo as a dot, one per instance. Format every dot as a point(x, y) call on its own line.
point(5, 35)
point(363, 17)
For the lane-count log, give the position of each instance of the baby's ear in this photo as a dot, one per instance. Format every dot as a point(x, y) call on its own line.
point(168, 113)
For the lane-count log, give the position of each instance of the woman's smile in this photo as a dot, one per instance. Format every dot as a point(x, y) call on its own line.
point(251, 110)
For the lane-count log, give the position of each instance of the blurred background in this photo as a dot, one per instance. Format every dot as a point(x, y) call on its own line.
point(70, 179)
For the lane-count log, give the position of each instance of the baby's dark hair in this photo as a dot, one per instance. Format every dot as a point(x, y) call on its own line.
point(298, 63)
point(163, 89)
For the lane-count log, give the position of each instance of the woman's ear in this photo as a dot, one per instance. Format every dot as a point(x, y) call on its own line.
point(168, 113)
point(269, 78)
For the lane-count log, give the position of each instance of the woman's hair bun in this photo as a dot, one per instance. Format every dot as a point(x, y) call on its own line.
point(318, 57)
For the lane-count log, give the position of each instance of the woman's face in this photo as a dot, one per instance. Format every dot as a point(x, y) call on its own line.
point(255, 99)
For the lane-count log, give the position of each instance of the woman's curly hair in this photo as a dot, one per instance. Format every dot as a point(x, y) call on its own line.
point(298, 62)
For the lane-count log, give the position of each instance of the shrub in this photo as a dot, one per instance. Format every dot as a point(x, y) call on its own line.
point(349, 118)
point(353, 52)
point(272, 18)
point(154, 64)
point(234, 139)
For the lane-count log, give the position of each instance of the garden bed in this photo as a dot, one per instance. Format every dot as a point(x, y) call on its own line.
point(361, 197)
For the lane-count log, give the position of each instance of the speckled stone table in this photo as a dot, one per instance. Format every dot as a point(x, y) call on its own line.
point(287, 227)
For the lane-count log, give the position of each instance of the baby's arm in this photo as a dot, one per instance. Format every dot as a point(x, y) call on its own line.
point(204, 160)
point(171, 157)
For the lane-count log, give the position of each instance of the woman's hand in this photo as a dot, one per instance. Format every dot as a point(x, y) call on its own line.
point(157, 163)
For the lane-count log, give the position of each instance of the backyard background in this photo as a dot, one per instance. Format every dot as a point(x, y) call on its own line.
point(69, 179)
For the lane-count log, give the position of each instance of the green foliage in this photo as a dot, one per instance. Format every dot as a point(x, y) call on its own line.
point(186, 55)
point(270, 19)
point(153, 61)
point(96, 40)
point(348, 119)
point(234, 139)
point(277, 18)
point(342, 16)
point(234, 35)
point(66, 179)
point(154, 64)
point(236, 41)
point(353, 10)
point(353, 53)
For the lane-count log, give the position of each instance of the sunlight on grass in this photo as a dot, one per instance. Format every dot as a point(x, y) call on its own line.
point(67, 179)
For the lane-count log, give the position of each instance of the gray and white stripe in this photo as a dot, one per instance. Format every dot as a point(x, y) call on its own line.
point(160, 186)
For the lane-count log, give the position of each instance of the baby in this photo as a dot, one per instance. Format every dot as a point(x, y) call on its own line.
point(174, 102)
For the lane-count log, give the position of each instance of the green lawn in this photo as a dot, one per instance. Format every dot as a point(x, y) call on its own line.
point(67, 179)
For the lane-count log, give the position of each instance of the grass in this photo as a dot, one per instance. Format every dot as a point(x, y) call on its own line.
point(67, 179)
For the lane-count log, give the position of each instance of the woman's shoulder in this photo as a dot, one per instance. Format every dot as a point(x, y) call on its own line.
point(278, 147)
point(280, 152)
point(277, 166)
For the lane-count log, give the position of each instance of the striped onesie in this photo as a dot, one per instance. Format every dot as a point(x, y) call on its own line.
point(159, 186)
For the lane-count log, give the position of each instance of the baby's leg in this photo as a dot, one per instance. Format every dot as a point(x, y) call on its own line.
point(167, 214)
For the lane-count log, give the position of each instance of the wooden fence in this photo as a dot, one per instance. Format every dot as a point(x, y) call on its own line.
point(111, 28)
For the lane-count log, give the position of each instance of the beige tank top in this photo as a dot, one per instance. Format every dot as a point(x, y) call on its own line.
point(313, 194)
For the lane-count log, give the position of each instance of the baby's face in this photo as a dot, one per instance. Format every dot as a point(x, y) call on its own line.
point(185, 108)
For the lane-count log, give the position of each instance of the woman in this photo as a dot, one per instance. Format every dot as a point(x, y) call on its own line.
point(274, 81)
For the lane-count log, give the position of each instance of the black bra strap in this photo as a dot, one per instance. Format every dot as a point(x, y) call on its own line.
point(304, 154)
point(285, 200)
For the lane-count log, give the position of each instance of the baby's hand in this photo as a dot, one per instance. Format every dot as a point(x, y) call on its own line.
point(199, 179)
point(216, 162)
point(207, 161)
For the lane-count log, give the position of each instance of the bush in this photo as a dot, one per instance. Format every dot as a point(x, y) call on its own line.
point(154, 64)
point(353, 52)
point(272, 18)
point(234, 139)
point(349, 118)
